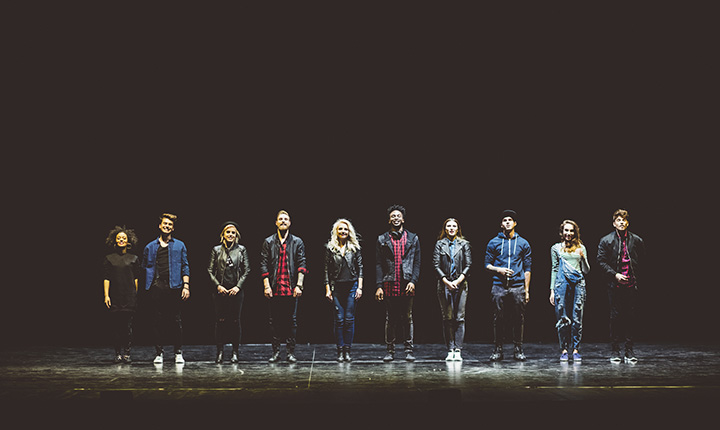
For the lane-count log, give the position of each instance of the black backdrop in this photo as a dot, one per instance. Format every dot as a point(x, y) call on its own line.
point(116, 120)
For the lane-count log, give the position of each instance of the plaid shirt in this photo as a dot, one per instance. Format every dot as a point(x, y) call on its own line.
point(282, 286)
point(394, 289)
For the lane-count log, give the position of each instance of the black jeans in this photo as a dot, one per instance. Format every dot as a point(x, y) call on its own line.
point(623, 303)
point(227, 319)
point(283, 321)
point(514, 299)
point(399, 318)
point(121, 326)
point(165, 305)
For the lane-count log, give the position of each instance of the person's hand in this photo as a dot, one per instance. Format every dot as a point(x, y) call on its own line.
point(297, 292)
point(233, 291)
point(527, 296)
point(621, 278)
point(379, 294)
point(185, 293)
point(505, 272)
point(328, 293)
point(452, 286)
point(107, 301)
point(221, 290)
point(358, 293)
point(552, 297)
point(268, 292)
point(410, 288)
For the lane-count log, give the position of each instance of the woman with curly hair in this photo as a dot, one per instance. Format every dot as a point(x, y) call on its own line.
point(120, 283)
point(567, 288)
point(343, 282)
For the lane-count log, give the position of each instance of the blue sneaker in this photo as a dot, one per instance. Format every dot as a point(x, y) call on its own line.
point(564, 356)
point(576, 356)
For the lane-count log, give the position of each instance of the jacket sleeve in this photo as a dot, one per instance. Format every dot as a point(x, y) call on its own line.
point(184, 264)
point(416, 263)
point(527, 259)
point(555, 266)
point(264, 259)
point(489, 255)
point(378, 264)
point(359, 262)
point(300, 256)
point(436, 260)
point(604, 256)
point(211, 268)
point(245, 264)
point(328, 256)
point(467, 255)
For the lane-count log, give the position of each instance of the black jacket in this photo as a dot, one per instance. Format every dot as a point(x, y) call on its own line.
point(385, 259)
point(218, 260)
point(269, 258)
point(333, 260)
point(609, 255)
point(442, 258)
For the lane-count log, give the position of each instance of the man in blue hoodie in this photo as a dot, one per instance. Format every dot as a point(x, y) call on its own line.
point(508, 258)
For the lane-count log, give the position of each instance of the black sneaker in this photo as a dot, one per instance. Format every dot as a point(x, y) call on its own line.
point(630, 356)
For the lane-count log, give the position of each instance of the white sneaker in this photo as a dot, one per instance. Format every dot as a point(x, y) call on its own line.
point(158, 359)
point(179, 358)
point(450, 356)
point(458, 356)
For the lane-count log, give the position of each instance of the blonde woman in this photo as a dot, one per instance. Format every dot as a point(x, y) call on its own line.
point(567, 288)
point(343, 282)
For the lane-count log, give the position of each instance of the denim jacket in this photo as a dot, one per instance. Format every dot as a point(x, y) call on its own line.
point(178, 262)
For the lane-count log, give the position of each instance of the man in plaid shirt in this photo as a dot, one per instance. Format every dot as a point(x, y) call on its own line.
point(397, 257)
point(282, 264)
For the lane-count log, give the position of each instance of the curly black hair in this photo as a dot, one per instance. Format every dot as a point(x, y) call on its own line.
point(132, 237)
point(393, 208)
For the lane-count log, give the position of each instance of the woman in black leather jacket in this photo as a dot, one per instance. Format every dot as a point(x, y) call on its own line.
point(452, 259)
point(228, 269)
point(343, 282)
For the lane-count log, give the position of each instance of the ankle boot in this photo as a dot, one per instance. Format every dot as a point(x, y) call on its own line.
point(340, 354)
point(346, 353)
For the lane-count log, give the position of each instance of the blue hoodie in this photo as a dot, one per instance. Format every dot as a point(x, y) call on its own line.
point(514, 253)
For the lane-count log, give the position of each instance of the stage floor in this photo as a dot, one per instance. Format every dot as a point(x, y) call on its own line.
point(682, 377)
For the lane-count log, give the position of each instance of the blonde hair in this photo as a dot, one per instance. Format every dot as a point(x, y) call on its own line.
point(353, 240)
point(575, 242)
point(222, 233)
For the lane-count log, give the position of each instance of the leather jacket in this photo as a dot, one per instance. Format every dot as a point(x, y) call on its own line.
point(218, 260)
point(385, 259)
point(270, 253)
point(333, 261)
point(609, 255)
point(442, 258)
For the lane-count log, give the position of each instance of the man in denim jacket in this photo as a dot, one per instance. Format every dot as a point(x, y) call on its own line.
point(167, 280)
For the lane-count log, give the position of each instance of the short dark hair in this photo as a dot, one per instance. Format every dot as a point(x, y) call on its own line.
point(394, 208)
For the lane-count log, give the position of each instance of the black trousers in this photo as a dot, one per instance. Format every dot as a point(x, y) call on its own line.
point(283, 321)
point(227, 319)
point(399, 319)
point(513, 300)
point(623, 305)
point(165, 304)
point(121, 326)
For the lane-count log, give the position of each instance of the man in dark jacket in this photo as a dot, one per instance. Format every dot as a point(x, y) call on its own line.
point(620, 254)
point(397, 259)
point(282, 266)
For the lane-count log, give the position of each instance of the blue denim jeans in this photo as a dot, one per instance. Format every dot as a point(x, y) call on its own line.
point(344, 301)
point(569, 304)
point(452, 309)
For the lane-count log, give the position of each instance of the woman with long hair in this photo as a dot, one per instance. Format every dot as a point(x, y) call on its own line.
point(343, 282)
point(120, 283)
point(452, 260)
point(567, 288)
point(228, 269)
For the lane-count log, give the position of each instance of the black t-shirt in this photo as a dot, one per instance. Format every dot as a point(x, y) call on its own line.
point(163, 264)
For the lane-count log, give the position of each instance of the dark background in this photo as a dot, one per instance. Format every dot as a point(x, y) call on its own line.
point(116, 116)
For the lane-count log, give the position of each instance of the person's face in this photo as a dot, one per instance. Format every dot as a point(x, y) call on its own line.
point(230, 234)
point(121, 240)
point(568, 232)
point(508, 223)
point(620, 223)
point(451, 228)
point(167, 226)
point(396, 219)
point(283, 222)
point(343, 231)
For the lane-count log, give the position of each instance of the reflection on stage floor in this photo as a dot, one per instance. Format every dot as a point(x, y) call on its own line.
point(665, 376)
